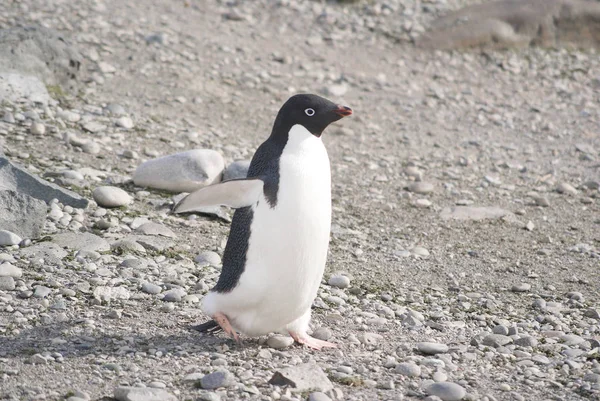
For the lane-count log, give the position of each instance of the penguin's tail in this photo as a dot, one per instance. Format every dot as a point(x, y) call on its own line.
point(207, 327)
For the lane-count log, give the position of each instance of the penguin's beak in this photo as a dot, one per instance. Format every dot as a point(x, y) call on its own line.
point(343, 111)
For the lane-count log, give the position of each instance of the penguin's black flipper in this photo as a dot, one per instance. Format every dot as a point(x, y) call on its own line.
point(207, 327)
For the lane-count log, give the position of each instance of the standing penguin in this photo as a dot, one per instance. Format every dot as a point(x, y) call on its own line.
point(277, 247)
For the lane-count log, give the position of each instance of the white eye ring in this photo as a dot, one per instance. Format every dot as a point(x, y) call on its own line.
point(310, 112)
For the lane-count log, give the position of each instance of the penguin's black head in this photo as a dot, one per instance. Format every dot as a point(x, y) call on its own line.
point(311, 111)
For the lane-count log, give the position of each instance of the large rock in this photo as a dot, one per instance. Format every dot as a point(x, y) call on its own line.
point(20, 213)
point(16, 178)
point(304, 377)
point(142, 394)
point(181, 172)
point(81, 242)
point(517, 23)
point(14, 87)
point(474, 213)
point(42, 53)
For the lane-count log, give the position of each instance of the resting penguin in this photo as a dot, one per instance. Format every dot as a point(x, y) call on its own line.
point(275, 255)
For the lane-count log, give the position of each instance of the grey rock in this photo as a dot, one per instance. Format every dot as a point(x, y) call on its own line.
point(8, 238)
point(339, 281)
point(107, 294)
point(142, 394)
point(49, 251)
point(280, 341)
point(208, 258)
point(500, 329)
point(14, 87)
point(209, 396)
point(42, 53)
point(152, 243)
point(9, 270)
point(128, 246)
point(303, 377)
point(181, 172)
point(218, 379)
point(318, 396)
point(593, 313)
point(369, 338)
point(20, 213)
point(155, 229)
point(150, 288)
point(522, 287)
point(107, 196)
point(408, 369)
point(41, 291)
point(565, 188)
point(81, 242)
point(7, 283)
point(38, 128)
point(124, 122)
point(473, 213)
point(421, 187)
point(174, 295)
point(322, 333)
point(447, 391)
point(430, 348)
point(237, 169)
point(16, 178)
point(496, 340)
point(527, 341)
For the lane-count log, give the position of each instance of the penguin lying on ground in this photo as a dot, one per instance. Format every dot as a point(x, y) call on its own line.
point(277, 247)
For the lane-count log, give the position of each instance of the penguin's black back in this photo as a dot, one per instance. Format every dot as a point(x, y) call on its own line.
point(264, 164)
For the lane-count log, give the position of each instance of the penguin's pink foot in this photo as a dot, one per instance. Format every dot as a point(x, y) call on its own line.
point(311, 342)
point(222, 321)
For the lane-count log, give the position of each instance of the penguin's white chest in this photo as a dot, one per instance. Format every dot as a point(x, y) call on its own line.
point(288, 243)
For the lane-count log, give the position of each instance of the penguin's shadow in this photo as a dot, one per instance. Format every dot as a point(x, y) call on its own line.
point(40, 339)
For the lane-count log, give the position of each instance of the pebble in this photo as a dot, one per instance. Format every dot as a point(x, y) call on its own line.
point(208, 258)
point(41, 291)
point(150, 288)
point(322, 333)
point(447, 391)
point(174, 295)
point(8, 238)
point(318, 396)
point(430, 348)
point(124, 122)
point(218, 379)
point(420, 251)
point(142, 394)
point(408, 369)
point(7, 283)
point(565, 188)
point(527, 341)
point(237, 169)
point(280, 341)
point(108, 196)
point(421, 187)
point(8, 270)
point(522, 287)
point(339, 281)
point(496, 340)
point(38, 128)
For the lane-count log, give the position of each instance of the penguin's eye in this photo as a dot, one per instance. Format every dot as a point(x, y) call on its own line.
point(310, 112)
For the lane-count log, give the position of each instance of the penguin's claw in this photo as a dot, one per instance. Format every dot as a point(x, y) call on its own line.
point(222, 321)
point(312, 342)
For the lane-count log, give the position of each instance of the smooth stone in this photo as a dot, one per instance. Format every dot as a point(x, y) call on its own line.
point(7, 283)
point(41, 291)
point(142, 394)
point(339, 281)
point(303, 377)
point(318, 396)
point(208, 258)
point(151, 228)
point(150, 288)
point(522, 287)
point(421, 187)
point(430, 348)
point(81, 242)
point(322, 333)
point(108, 196)
point(8, 238)
point(280, 341)
point(527, 341)
point(38, 129)
point(174, 295)
point(8, 270)
point(181, 172)
point(473, 213)
point(218, 379)
point(236, 170)
point(408, 369)
point(104, 293)
point(124, 122)
point(447, 391)
point(496, 340)
point(564, 188)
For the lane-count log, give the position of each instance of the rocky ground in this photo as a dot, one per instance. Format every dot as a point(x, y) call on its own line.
point(465, 248)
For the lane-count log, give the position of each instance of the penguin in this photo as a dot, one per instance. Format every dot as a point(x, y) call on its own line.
point(277, 247)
